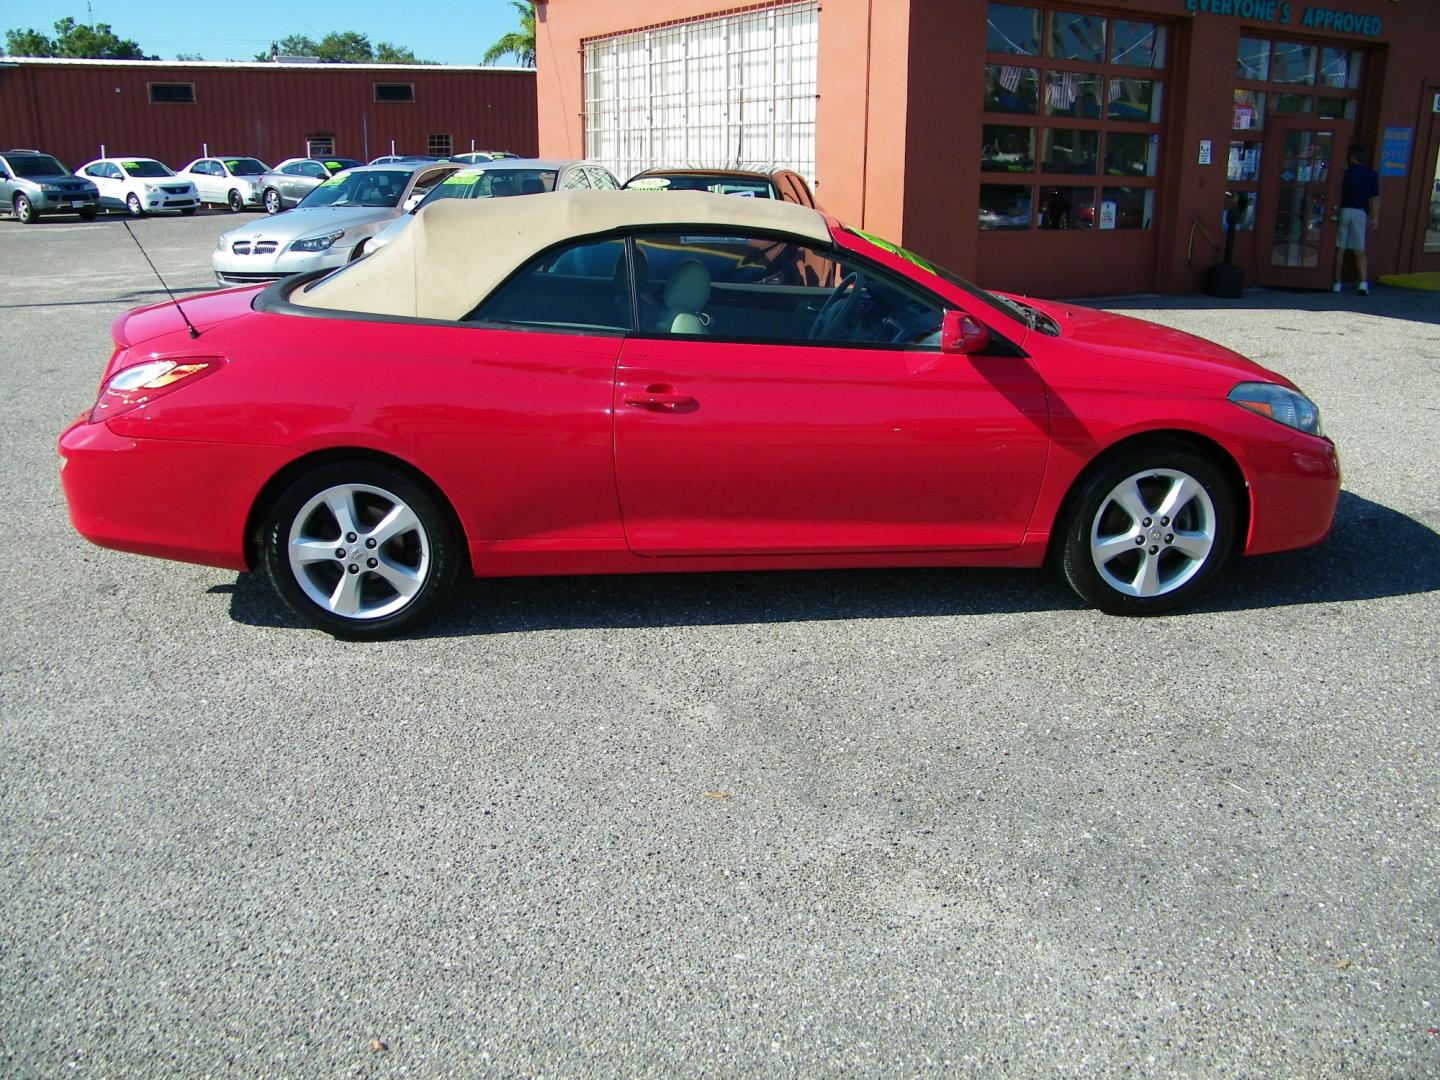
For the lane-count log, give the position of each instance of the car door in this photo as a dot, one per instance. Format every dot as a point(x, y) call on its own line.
point(106, 177)
point(737, 432)
point(202, 173)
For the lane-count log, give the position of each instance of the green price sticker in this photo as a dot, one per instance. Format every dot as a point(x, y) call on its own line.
point(460, 179)
point(649, 183)
point(130, 166)
point(332, 181)
point(333, 165)
point(895, 249)
point(232, 163)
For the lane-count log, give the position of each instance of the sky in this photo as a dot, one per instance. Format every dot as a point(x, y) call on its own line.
point(446, 31)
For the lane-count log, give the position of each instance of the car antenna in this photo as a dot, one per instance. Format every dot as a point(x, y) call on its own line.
point(188, 324)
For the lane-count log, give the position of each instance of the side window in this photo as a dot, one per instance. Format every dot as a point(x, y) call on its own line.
point(314, 170)
point(293, 169)
point(776, 289)
point(602, 180)
point(584, 286)
point(112, 171)
point(575, 178)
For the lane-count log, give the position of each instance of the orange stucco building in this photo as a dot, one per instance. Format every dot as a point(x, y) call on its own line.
point(1067, 149)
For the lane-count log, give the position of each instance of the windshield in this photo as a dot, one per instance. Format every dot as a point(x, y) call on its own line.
point(370, 188)
point(1005, 307)
point(32, 166)
point(334, 165)
point(245, 166)
point(497, 184)
point(719, 185)
point(145, 168)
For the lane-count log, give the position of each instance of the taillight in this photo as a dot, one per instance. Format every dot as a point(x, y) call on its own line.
point(143, 383)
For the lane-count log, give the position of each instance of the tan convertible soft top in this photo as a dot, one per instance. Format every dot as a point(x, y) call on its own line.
point(456, 251)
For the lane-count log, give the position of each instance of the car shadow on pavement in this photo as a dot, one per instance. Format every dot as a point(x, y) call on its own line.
point(1345, 567)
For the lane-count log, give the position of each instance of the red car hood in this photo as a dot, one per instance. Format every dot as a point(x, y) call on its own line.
point(1109, 335)
point(206, 310)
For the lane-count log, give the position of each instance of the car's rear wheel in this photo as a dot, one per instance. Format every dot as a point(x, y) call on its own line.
point(235, 202)
point(1149, 530)
point(134, 205)
point(25, 211)
point(272, 201)
point(361, 550)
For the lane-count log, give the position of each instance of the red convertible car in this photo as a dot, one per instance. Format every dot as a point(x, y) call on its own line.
point(603, 383)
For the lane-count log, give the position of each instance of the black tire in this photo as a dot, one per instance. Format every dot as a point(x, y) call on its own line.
point(134, 205)
point(1176, 557)
point(425, 555)
point(273, 203)
point(87, 213)
point(235, 202)
point(25, 211)
point(189, 211)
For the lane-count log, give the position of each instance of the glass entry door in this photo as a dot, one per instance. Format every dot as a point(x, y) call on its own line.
point(1299, 200)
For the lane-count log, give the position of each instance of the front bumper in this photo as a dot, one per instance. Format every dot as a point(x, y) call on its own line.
point(62, 201)
point(236, 269)
point(1294, 489)
point(163, 200)
point(167, 498)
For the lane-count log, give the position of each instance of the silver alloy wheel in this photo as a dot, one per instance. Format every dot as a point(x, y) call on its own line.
point(1153, 532)
point(134, 206)
point(358, 551)
point(272, 201)
point(24, 210)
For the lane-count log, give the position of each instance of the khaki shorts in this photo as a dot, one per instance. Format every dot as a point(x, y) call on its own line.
point(1351, 233)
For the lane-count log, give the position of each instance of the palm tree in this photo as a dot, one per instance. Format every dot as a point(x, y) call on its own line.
point(519, 44)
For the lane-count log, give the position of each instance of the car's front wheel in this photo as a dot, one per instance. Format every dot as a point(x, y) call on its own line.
point(272, 201)
point(235, 202)
point(25, 211)
point(1149, 530)
point(134, 205)
point(361, 550)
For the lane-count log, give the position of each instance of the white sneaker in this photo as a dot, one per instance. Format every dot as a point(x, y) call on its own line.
point(1336, 287)
point(1364, 288)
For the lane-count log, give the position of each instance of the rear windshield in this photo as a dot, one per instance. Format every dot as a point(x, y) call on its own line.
point(245, 166)
point(32, 166)
point(369, 188)
point(145, 168)
point(719, 185)
point(499, 184)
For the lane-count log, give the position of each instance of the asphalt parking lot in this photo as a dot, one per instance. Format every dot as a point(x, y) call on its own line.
point(862, 823)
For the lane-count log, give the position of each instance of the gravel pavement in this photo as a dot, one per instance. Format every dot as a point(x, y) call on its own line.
point(859, 823)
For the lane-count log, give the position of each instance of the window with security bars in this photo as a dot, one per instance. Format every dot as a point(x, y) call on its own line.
point(1070, 136)
point(318, 146)
point(439, 145)
point(732, 91)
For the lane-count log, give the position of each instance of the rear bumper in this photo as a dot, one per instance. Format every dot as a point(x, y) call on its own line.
point(170, 499)
point(1294, 488)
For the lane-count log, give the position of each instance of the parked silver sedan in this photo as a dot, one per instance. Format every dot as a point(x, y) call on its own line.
point(502, 179)
point(294, 178)
point(328, 228)
point(226, 181)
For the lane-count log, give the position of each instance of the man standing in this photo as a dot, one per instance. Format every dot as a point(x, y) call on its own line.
point(1359, 212)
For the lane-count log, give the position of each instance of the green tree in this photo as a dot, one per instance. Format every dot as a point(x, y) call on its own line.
point(28, 43)
point(188, 56)
point(518, 43)
point(74, 41)
point(341, 47)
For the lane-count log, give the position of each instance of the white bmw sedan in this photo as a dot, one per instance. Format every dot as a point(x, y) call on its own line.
point(140, 186)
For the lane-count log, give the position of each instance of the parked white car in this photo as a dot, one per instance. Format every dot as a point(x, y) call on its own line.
point(227, 181)
point(140, 186)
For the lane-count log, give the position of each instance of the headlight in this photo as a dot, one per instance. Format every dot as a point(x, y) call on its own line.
point(150, 189)
point(317, 243)
point(1279, 403)
point(223, 242)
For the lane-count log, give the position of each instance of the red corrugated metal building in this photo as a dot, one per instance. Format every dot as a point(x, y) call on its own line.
point(173, 111)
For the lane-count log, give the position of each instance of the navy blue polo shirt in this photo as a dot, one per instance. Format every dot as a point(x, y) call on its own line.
point(1360, 184)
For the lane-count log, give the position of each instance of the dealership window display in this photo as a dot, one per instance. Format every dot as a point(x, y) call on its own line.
point(1070, 95)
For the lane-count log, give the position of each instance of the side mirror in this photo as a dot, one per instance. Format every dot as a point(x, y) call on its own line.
point(962, 333)
point(412, 202)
